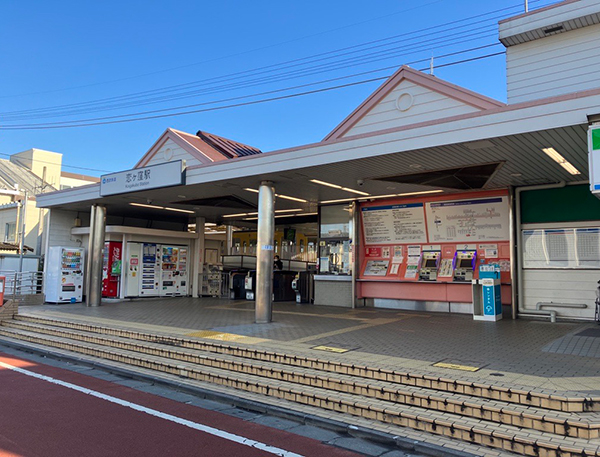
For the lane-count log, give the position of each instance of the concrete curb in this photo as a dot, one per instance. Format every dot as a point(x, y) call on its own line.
point(405, 444)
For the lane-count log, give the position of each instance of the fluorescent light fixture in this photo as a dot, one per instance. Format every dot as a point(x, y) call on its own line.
point(285, 197)
point(422, 192)
point(289, 210)
point(146, 206)
point(374, 197)
point(335, 186)
point(294, 199)
point(283, 215)
point(554, 155)
point(179, 210)
point(217, 232)
point(162, 207)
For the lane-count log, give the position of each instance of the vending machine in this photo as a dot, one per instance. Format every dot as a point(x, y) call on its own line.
point(181, 277)
point(133, 269)
point(111, 269)
point(64, 277)
point(169, 256)
point(150, 270)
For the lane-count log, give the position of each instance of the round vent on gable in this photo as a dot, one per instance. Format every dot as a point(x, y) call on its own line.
point(405, 101)
point(168, 154)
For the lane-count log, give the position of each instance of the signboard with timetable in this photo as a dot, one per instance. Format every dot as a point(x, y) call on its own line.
point(152, 177)
point(389, 224)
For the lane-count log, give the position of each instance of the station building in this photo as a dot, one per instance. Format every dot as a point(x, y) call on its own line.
point(421, 190)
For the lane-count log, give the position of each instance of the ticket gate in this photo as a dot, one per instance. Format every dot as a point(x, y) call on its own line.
point(304, 285)
point(237, 285)
point(464, 265)
point(250, 284)
point(430, 264)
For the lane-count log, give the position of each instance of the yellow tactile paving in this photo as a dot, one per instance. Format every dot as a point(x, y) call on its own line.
point(222, 336)
point(455, 366)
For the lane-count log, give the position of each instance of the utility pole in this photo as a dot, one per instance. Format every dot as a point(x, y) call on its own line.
point(22, 237)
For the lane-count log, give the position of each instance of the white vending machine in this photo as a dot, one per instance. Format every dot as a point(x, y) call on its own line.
point(133, 269)
point(64, 277)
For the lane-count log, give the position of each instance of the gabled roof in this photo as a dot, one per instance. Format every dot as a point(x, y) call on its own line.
point(430, 82)
point(205, 147)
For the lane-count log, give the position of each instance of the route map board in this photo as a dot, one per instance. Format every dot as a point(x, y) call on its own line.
point(481, 219)
point(394, 224)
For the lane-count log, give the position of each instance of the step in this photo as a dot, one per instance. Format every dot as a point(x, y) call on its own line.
point(473, 389)
point(481, 432)
point(569, 424)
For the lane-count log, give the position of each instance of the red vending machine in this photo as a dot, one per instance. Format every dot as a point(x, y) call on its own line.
point(111, 270)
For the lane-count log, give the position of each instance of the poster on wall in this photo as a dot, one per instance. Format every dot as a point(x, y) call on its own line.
point(479, 219)
point(377, 267)
point(394, 224)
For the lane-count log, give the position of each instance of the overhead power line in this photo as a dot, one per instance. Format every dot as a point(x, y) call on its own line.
point(20, 115)
point(85, 123)
point(180, 67)
point(281, 77)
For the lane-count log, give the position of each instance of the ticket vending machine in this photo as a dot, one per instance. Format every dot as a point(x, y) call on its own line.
point(430, 263)
point(464, 265)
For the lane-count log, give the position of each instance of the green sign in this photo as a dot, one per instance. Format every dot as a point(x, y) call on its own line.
point(596, 139)
point(116, 268)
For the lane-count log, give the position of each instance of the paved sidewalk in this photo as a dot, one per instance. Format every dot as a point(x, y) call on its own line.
point(559, 357)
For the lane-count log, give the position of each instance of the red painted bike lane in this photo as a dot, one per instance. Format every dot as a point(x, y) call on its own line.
point(41, 418)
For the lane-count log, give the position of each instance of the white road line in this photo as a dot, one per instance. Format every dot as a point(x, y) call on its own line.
point(152, 412)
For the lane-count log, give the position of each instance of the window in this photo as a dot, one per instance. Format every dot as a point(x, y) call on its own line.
point(10, 232)
point(334, 243)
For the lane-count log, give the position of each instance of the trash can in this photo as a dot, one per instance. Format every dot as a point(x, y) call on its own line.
point(487, 299)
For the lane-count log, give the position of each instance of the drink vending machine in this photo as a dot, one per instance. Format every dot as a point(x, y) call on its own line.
point(111, 269)
point(64, 274)
point(143, 268)
point(173, 270)
point(150, 270)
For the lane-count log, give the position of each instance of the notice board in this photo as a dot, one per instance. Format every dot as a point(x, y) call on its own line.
point(463, 221)
point(394, 224)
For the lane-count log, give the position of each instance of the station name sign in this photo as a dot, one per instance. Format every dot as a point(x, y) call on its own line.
point(152, 177)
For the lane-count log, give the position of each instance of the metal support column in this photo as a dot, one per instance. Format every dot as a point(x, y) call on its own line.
point(198, 257)
point(229, 238)
point(264, 253)
point(354, 246)
point(88, 259)
point(96, 250)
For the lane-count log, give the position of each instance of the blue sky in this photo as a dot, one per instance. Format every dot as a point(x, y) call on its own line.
point(64, 53)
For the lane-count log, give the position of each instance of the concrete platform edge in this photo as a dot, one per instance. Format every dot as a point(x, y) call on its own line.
point(406, 444)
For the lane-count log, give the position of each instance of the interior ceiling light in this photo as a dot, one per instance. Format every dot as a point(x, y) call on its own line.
point(285, 197)
point(373, 197)
point(554, 155)
point(162, 207)
point(335, 186)
point(283, 215)
point(289, 210)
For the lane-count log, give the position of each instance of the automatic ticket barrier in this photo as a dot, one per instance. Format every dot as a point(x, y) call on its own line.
point(304, 285)
point(464, 265)
point(250, 284)
point(430, 264)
